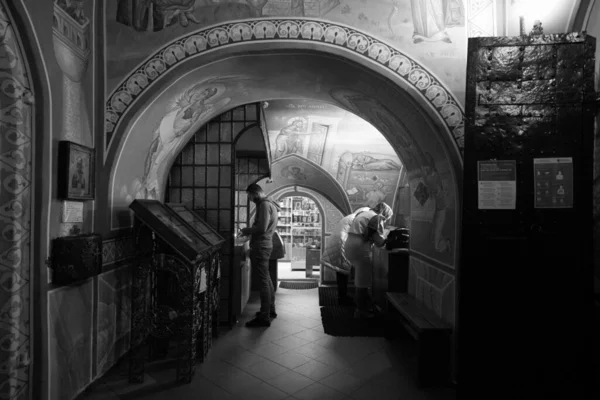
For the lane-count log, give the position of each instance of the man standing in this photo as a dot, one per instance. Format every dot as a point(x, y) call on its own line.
point(261, 246)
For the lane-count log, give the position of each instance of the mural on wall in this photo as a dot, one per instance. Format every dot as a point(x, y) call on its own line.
point(403, 141)
point(369, 178)
point(432, 187)
point(294, 172)
point(114, 317)
point(431, 18)
point(16, 117)
point(334, 139)
point(167, 124)
point(481, 18)
point(70, 330)
point(289, 141)
point(160, 13)
point(73, 50)
point(432, 30)
point(433, 211)
point(180, 116)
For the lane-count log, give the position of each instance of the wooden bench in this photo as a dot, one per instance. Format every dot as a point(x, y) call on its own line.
point(431, 333)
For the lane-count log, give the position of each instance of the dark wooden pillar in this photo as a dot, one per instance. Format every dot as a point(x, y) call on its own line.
point(526, 271)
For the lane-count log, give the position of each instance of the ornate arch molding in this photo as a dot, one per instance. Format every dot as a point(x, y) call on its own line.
point(156, 67)
point(331, 188)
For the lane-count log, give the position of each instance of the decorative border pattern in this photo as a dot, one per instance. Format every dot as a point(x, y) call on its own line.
point(16, 127)
point(117, 250)
point(283, 29)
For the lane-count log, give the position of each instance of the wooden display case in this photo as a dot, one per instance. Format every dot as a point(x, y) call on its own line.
point(175, 293)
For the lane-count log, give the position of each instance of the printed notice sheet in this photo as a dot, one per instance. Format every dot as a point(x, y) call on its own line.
point(497, 182)
point(72, 212)
point(553, 178)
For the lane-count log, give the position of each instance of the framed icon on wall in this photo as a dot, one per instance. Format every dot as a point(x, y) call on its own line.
point(76, 171)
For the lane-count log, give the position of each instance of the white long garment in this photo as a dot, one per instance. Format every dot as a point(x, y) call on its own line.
point(361, 222)
point(334, 255)
point(359, 254)
point(359, 251)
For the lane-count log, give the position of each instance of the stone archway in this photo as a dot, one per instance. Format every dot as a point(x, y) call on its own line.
point(408, 113)
point(413, 132)
point(410, 73)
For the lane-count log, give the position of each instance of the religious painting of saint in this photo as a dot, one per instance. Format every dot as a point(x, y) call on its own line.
point(376, 195)
point(289, 139)
point(176, 125)
point(78, 177)
point(294, 173)
point(436, 191)
point(432, 17)
point(369, 178)
point(137, 13)
point(76, 171)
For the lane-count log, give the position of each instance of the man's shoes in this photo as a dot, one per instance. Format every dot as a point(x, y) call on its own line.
point(272, 314)
point(258, 322)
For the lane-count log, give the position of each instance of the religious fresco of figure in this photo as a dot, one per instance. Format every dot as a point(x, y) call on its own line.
point(294, 172)
point(429, 29)
point(431, 18)
point(291, 138)
point(181, 115)
point(169, 125)
point(335, 140)
point(369, 178)
point(433, 211)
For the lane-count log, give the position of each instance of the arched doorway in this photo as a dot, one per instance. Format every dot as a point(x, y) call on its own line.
point(302, 227)
point(425, 148)
point(408, 105)
point(414, 111)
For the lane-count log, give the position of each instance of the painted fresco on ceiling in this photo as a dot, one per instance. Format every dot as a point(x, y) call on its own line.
point(181, 115)
point(335, 140)
point(295, 170)
point(169, 124)
point(431, 30)
point(369, 178)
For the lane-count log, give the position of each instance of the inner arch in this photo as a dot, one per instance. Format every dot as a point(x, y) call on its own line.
point(416, 135)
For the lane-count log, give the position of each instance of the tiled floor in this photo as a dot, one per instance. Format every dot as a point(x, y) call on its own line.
point(293, 359)
point(285, 272)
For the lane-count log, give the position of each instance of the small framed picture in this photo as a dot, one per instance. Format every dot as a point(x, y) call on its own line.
point(76, 171)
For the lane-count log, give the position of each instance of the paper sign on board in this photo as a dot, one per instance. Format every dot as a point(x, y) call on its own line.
point(72, 212)
point(553, 179)
point(497, 180)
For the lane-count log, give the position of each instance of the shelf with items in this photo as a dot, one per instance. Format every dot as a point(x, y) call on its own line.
point(299, 225)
